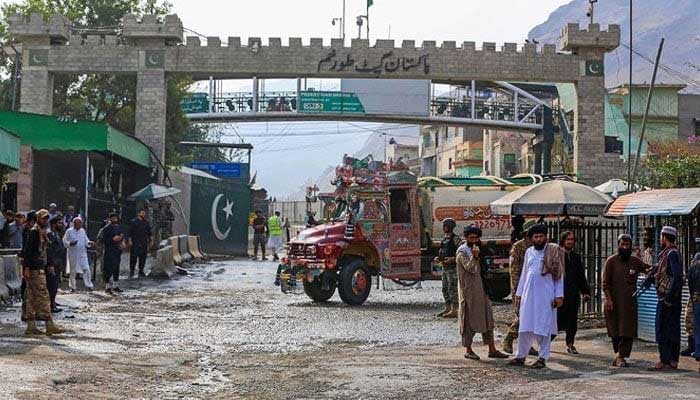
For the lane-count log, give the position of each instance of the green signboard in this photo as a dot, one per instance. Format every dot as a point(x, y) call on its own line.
point(219, 215)
point(196, 103)
point(330, 102)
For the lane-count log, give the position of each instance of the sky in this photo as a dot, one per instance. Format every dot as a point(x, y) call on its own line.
point(285, 162)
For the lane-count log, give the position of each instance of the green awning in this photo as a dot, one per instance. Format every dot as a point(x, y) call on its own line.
point(45, 132)
point(9, 150)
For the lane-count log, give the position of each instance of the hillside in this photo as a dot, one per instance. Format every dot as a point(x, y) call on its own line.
point(678, 21)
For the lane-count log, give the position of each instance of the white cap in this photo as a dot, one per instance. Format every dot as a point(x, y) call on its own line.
point(669, 230)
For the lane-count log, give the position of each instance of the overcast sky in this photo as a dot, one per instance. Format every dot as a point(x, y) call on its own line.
point(459, 20)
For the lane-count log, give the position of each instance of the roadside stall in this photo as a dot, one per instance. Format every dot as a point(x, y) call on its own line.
point(650, 211)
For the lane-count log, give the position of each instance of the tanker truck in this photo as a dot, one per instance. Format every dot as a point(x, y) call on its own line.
point(382, 221)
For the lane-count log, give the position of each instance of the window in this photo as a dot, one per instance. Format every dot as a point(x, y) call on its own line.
point(426, 140)
point(612, 145)
point(400, 206)
point(477, 154)
point(449, 163)
point(697, 126)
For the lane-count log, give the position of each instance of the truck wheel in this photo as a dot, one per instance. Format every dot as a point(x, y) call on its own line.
point(354, 282)
point(316, 292)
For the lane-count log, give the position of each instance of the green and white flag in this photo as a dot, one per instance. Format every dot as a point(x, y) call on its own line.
point(370, 3)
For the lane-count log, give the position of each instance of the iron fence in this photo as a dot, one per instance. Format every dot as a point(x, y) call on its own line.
point(595, 242)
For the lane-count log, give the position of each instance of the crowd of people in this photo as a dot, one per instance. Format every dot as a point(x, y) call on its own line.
point(51, 244)
point(548, 283)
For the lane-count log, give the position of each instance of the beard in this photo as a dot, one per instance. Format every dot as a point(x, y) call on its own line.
point(538, 246)
point(624, 254)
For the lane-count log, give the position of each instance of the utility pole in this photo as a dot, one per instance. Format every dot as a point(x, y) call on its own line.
point(646, 113)
point(369, 3)
point(629, 122)
point(343, 22)
point(591, 9)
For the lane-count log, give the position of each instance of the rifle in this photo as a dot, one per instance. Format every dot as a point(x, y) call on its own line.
point(648, 281)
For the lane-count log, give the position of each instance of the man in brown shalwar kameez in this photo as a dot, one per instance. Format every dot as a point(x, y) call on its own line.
point(619, 284)
point(475, 311)
point(36, 305)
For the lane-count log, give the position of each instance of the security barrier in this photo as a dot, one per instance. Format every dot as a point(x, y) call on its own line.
point(164, 266)
point(4, 289)
point(13, 273)
point(184, 252)
point(175, 244)
point(193, 247)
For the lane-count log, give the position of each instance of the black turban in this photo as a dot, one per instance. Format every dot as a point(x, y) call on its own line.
point(472, 230)
point(535, 229)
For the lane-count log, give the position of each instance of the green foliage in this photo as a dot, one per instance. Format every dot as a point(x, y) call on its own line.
point(671, 172)
point(108, 98)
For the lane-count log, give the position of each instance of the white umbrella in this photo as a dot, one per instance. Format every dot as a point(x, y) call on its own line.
point(556, 197)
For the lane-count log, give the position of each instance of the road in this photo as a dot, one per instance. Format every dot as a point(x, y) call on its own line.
point(226, 332)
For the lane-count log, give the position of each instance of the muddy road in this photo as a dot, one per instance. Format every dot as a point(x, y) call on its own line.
point(226, 333)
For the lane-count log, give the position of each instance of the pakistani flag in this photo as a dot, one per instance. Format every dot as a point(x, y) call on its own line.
point(370, 3)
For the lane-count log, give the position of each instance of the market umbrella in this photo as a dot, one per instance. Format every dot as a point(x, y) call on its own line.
point(558, 197)
point(616, 187)
point(154, 191)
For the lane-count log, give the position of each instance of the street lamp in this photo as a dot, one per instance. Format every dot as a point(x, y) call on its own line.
point(359, 21)
point(340, 23)
point(591, 9)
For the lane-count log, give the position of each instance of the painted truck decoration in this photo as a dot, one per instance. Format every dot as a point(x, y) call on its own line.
point(380, 221)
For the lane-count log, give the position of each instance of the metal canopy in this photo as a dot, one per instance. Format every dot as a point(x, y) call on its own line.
point(662, 202)
point(557, 197)
point(154, 191)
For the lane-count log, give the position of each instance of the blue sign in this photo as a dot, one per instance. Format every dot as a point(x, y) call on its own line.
point(222, 169)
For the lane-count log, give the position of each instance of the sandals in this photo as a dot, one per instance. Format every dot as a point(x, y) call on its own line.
point(539, 364)
point(498, 354)
point(659, 367)
point(472, 356)
point(572, 350)
point(517, 362)
point(620, 362)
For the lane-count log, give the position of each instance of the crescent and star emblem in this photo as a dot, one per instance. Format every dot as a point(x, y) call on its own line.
point(36, 60)
point(154, 59)
point(594, 68)
point(228, 210)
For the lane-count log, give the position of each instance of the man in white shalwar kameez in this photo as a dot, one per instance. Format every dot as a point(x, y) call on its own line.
point(77, 243)
point(540, 292)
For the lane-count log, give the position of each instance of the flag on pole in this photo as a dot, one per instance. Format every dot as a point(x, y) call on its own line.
point(370, 3)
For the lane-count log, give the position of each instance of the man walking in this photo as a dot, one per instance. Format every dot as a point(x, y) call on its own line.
point(36, 305)
point(55, 261)
point(517, 257)
point(575, 286)
point(447, 256)
point(475, 310)
point(274, 227)
point(619, 284)
point(139, 240)
point(669, 285)
point(540, 292)
point(77, 243)
point(260, 231)
point(689, 310)
point(113, 240)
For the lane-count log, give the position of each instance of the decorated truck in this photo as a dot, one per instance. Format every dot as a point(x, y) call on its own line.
point(382, 221)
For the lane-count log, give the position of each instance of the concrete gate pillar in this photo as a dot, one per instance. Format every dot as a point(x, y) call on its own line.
point(592, 165)
point(36, 36)
point(151, 36)
point(151, 97)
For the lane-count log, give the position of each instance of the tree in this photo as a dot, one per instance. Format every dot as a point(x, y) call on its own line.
point(107, 98)
point(671, 165)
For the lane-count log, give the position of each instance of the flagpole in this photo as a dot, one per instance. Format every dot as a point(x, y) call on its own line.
point(368, 4)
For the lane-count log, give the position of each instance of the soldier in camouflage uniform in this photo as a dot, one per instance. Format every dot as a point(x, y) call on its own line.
point(689, 317)
point(517, 257)
point(448, 256)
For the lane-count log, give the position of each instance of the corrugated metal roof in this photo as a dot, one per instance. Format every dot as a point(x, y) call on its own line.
point(662, 202)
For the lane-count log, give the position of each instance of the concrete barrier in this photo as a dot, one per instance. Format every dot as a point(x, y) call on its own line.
point(193, 247)
point(175, 244)
point(5, 294)
point(13, 274)
point(182, 247)
point(164, 266)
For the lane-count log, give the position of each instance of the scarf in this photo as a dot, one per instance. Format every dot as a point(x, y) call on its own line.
point(465, 249)
point(553, 263)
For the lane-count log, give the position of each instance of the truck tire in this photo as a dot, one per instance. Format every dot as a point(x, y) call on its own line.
point(316, 292)
point(354, 282)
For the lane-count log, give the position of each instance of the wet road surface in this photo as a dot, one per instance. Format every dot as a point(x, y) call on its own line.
point(227, 332)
